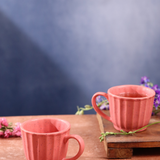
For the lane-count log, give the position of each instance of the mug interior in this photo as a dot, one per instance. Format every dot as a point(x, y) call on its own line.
point(131, 91)
point(45, 125)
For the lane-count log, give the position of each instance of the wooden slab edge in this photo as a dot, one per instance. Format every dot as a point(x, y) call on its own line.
point(114, 152)
point(102, 130)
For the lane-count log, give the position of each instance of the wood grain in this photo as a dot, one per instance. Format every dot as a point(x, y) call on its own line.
point(84, 125)
point(121, 146)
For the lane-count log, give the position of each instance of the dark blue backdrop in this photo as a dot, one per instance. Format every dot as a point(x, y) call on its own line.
point(55, 54)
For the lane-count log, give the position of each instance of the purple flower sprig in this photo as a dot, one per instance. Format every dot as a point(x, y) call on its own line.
point(103, 104)
point(7, 130)
point(145, 81)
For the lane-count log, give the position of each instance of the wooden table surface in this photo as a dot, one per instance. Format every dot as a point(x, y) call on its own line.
point(84, 125)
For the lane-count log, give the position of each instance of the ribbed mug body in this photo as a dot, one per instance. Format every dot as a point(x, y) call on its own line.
point(130, 114)
point(130, 106)
point(41, 147)
point(44, 139)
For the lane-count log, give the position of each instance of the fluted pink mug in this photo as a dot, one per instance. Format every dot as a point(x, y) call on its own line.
point(47, 139)
point(130, 106)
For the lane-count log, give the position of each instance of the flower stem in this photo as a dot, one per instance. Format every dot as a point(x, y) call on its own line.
point(80, 110)
point(123, 132)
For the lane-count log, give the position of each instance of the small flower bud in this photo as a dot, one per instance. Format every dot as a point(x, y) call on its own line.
point(87, 106)
point(130, 132)
point(81, 112)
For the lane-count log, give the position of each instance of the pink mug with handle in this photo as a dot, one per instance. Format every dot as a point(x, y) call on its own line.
point(47, 139)
point(130, 106)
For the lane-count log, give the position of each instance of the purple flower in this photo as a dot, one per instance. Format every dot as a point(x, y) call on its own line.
point(156, 89)
point(144, 80)
point(99, 99)
point(146, 85)
point(156, 102)
point(104, 106)
point(153, 114)
point(158, 96)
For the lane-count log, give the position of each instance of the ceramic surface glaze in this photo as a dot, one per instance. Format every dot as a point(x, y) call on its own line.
point(129, 112)
point(47, 139)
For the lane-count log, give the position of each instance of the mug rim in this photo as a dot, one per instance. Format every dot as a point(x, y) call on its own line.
point(50, 133)
point(132, 98)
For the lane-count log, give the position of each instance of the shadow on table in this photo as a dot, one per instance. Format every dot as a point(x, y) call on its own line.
point(139, 152)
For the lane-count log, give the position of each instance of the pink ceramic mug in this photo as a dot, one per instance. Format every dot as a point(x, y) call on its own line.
point(130, 106)
point(47, 139)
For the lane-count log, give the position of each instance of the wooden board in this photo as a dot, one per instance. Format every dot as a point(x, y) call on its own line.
point(122, 146)
point(84, 125)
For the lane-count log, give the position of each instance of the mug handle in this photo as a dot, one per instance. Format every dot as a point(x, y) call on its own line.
point(81, 145)
point(96, 108)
